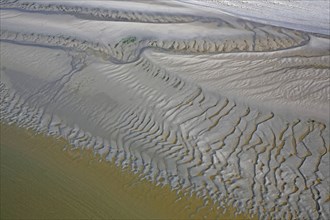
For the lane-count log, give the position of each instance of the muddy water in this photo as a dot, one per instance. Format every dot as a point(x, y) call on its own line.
point(40, 179)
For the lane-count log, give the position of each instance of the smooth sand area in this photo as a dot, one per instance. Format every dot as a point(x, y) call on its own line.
point(40, 180)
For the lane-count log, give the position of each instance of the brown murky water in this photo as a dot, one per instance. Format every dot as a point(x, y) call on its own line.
point(40, 180)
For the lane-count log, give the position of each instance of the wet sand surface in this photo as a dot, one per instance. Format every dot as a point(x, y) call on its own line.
point(40, 180)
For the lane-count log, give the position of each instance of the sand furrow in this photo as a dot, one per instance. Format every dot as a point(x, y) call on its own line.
point(128, 49)
point(86, 11)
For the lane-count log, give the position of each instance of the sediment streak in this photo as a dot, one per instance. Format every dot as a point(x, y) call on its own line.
point(124, 99)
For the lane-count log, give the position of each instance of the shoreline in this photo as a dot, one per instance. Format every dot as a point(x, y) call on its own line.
point(39, 179)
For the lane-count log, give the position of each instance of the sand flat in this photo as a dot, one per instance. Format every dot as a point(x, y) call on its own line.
point(201, 101)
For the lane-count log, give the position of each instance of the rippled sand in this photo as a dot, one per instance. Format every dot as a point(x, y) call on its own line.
point(230, 107)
